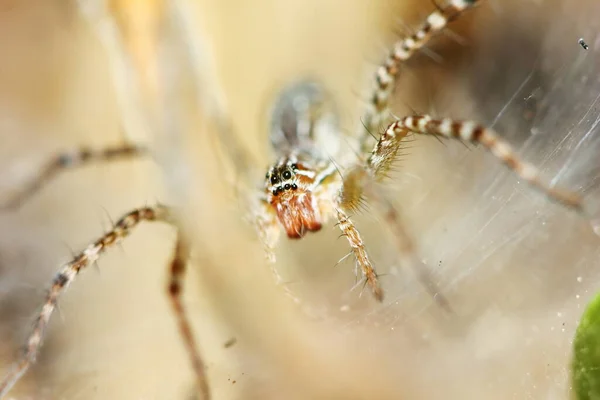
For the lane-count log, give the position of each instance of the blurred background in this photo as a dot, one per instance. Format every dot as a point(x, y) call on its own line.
point(517, 269)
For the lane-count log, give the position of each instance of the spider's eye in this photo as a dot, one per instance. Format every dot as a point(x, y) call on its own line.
point(287, 186)
point(274, 179)
point(287, 175)
point(294, 166)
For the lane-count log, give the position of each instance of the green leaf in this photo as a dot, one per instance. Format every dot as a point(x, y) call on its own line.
point(586, 358)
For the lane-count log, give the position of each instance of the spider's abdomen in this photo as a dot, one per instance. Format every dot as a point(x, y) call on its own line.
point(298, 213)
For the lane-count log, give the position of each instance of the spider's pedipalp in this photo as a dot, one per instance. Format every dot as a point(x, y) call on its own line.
point(265, 222)
point(70, 160)
point(387, 73)
point(69, 271)
point(473, 132)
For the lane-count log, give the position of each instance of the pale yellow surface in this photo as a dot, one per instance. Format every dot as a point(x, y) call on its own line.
point(517, 269)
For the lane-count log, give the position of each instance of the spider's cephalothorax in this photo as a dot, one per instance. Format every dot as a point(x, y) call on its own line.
point(297, 189)
point(289, 185)
point(304, 187)
point(296, 184)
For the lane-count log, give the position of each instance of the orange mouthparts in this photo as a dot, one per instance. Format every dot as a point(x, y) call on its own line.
point(297, 213)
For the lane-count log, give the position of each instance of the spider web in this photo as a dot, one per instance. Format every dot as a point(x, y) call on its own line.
point(517, 269)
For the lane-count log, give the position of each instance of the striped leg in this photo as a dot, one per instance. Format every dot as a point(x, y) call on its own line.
point(387, 73)
point(69, 160)
point(175, 287)
point(471, 131)
point(359, 182)
point(67, 275)
point(360, 253)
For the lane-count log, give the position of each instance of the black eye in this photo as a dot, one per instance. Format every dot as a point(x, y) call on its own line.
point(274, 179)
point(294, 166)
point(287, 186)
point(287, 175)
point(294, 186)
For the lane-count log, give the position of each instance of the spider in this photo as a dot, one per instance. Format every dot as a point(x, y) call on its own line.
point(303, 189)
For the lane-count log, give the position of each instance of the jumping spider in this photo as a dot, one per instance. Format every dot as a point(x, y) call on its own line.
point(303, 189)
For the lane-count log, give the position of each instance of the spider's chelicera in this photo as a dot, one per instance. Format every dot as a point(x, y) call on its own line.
point(290, 186)
point(303, 189)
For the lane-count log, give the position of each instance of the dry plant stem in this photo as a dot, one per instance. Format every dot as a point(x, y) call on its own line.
point(471, 131)
point(67, 275)
point(209, 93)
point(175, 288)
point(140, 24)
point(385, 79)
point(70, 160)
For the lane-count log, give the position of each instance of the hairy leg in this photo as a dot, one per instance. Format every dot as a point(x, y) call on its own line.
point(267, 227)
point(471, 131)
point(70, 160)
point(67, 275)
point(360, 182)
point(175, 288)
point(385, 78)
point(265, 222)
point(360, 253)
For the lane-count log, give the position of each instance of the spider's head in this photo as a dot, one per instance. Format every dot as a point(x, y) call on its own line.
point(288, 184)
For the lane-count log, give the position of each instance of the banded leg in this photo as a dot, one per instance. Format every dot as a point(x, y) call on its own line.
point(360, 181)
point(471, 131)
point(67, 275)
point(69, 160)
point(387, 73)
point(175, 287)
point(360, 253)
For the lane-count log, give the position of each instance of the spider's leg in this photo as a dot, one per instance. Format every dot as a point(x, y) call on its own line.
point(70, 160)
point(265, 222)
point(353, 236)
point(175, 287)
point(387, 73)
point(360, 253)
point(361, 180)
point(67, 275)
point(406, 247)
point(268, 230)
point(471, 131)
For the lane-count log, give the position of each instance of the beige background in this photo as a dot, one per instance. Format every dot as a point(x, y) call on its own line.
point(517, 269)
